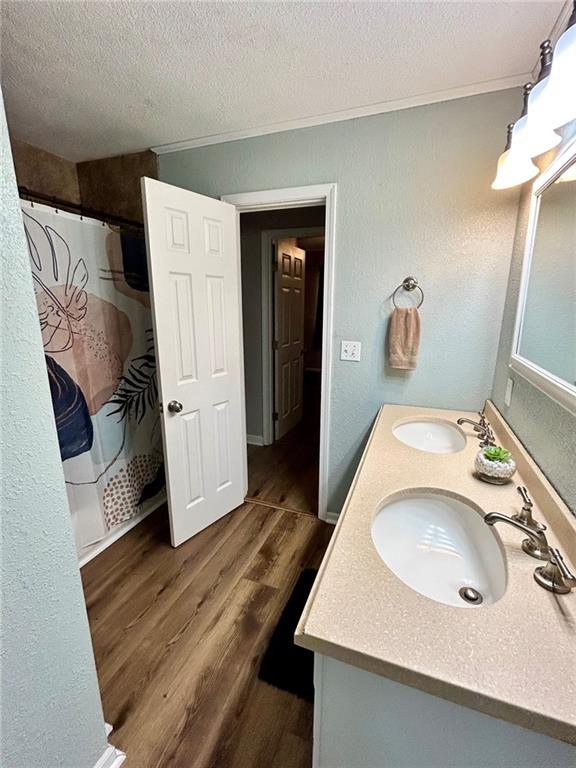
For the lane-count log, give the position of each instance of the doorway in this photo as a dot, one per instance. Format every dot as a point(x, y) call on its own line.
point(282, 280)
point(287, 468)
point(211, 445)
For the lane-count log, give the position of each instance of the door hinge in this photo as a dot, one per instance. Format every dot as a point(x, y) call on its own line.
point(275, 346)
point(275, 416)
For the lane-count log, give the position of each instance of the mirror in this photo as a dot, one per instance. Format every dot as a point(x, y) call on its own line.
point(545, 339)
point(548, 335)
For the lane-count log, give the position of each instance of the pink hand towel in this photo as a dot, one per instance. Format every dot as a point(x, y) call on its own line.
point(404, 338)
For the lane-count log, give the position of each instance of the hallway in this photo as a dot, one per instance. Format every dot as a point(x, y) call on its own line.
point(285, 474)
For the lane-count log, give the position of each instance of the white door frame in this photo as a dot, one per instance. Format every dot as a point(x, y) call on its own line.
point(306, 197)
point(268, 320)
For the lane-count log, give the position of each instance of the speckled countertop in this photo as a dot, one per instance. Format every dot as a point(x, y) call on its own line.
point(514, 659)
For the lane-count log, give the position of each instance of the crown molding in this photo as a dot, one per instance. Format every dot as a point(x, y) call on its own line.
point(561, 22)
point(420, 100)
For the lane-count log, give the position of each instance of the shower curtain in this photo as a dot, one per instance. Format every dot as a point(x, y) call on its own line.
point(93, 301)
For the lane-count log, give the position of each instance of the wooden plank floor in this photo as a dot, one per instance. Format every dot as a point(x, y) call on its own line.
point(286, 472)
point(179, 634)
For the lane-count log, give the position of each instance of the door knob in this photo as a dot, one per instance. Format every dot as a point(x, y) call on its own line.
point(174, 406)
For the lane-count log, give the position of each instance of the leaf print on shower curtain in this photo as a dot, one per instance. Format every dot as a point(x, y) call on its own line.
point(94, 308)
point(73, 422)
point(52, 267)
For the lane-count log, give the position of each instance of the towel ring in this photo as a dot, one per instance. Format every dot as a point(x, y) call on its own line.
point(409, 284)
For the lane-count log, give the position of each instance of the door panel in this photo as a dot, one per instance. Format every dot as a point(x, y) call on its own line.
point(289, 329)
point(192, 450)
point(181, 289)
point(222, 432)
point(195, 287)
point(217, 324)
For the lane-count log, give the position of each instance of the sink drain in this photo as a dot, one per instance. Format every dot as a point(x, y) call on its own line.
point(470, 595)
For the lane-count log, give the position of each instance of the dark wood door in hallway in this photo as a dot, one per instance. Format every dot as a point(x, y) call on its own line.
point(179, 634)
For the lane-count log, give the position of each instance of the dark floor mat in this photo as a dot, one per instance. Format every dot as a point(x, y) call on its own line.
point(286, 665)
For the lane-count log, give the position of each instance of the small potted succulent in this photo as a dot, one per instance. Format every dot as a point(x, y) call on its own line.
point(494, 465)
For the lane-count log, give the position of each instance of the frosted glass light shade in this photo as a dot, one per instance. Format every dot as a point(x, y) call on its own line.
point(560, 92)
point(536, 134)
point(519, 134)
point(513, 168)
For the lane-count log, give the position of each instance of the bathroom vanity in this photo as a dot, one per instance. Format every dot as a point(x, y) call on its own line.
point(408, 672)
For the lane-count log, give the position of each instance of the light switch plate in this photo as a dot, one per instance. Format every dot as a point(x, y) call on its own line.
point(350, 350)
point(508, 395)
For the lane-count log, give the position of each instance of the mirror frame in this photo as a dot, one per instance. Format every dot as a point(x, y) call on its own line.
point(556, 388)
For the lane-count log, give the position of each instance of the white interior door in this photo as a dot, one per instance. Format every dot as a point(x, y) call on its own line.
point(193, 261)
point(289, 341)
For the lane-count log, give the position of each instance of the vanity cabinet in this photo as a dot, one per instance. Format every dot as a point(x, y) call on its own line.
point(363, 720)
point(406, 674)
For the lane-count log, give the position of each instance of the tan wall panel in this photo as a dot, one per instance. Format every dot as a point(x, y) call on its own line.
point(113, 183)
point(44, 172)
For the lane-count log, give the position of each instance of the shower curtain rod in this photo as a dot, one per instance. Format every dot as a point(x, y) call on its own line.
point(64, 205)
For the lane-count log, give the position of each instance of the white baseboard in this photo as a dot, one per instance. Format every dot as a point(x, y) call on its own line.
point(254, 439)
point(121, 529)
point(110, 758)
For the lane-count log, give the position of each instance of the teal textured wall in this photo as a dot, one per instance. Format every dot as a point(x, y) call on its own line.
point(414, 198)
point(51, 711)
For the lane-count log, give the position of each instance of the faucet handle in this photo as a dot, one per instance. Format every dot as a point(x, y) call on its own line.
point(523, 491)
point(557, 559)
point(483, 419)
point(525, 515)
point(555, 576)
point(487, 438)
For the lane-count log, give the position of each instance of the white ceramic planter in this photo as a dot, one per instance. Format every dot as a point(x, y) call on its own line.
point(498, 472)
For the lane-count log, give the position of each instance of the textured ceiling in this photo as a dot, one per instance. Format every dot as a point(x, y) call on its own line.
point(91, 79)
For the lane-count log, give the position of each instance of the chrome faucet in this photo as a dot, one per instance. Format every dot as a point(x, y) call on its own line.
point(482, 427)
point(555, 576)
point(536, 545)
point(478, 427)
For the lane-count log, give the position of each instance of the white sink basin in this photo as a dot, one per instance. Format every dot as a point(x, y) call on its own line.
point(439, 546)
point(432, 435)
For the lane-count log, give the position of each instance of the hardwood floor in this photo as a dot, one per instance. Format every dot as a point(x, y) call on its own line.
point(286, 472)
point(179, 634)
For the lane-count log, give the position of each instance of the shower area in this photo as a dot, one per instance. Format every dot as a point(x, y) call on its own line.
point(91, 285)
